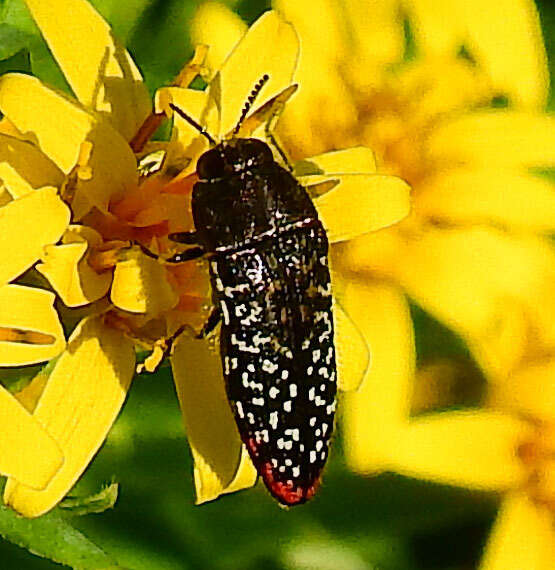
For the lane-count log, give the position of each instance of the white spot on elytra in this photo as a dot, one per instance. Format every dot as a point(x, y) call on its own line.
point(296, 471)
point(287, 406)
point(225, 312)
point(274, 419)
point(284, 374)
point(312, 456)
point(273, 392)
point(239, 407)
point(269, 366)
point(293, 390)
point(258, 401)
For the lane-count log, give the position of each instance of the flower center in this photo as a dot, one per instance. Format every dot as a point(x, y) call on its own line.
point(538, 455)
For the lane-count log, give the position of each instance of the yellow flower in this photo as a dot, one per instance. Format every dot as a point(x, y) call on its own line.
point(123, 190)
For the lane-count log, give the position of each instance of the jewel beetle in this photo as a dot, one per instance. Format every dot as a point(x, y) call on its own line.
point(268, 260)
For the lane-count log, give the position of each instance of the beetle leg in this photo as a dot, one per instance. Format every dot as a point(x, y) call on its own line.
point(211, 323)
point(184, 237)
point(187, 255)
point(268, 131)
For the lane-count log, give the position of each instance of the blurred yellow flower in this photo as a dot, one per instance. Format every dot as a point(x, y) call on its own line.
point(122, 190)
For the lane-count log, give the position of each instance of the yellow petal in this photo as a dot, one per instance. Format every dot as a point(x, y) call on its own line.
point(24, 168)
point(27, 452)
point(30, 106)
point(30, 330)
point(495, 139)
point(522, 536)
point(140, 285)
point(479, 281)
point(324, 102)
point(506, 40)
point(475, 449)
point(351, 351)
point(362, 204)
point(355, 160)
point(217, 26)
point(377, 411)
point(377, 33)
point(30, 395)
point(319, 25)
point(28, 224)
point(490, 196)
point(66, 268)
point(503, 37)
point(437, 27)
point(220, 462)
point(270, 47)
point(77, 408)
point(98, 68)
point(529, 391)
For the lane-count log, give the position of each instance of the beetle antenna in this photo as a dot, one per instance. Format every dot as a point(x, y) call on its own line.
point(250, 100)
point(193, 123)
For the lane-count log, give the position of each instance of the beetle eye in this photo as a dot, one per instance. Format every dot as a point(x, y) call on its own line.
point(211, 165)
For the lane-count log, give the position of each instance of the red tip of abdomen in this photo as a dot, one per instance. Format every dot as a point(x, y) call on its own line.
point(287, 493)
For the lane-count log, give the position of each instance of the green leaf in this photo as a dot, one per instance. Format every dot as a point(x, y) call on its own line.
point(17, 63)
point(98, 503)
point(12, 40)
point(50, 536)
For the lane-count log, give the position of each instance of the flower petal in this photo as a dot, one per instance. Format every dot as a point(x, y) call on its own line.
point(529, 391)
point(30, 330)
point(23, 167)
point(495, 139)
point(220, 461)
point(30, 106)
point(217, 26)
point(140, 285)
point(270, 47)
point(66, 268)
point(355, 160)
point(351, 351)
point(362, 204)
point(489, 196)
point(28, 224)
point(475, 449)
point(503, 37)
point(376, 32)
point(377, 411)
point(27, 452)
point(77, 408)
point(483, 283)
point(506, 40)
point(99, 70)
point(522, 536)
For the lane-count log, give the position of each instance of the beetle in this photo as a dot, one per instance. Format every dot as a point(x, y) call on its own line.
point(268, 260)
